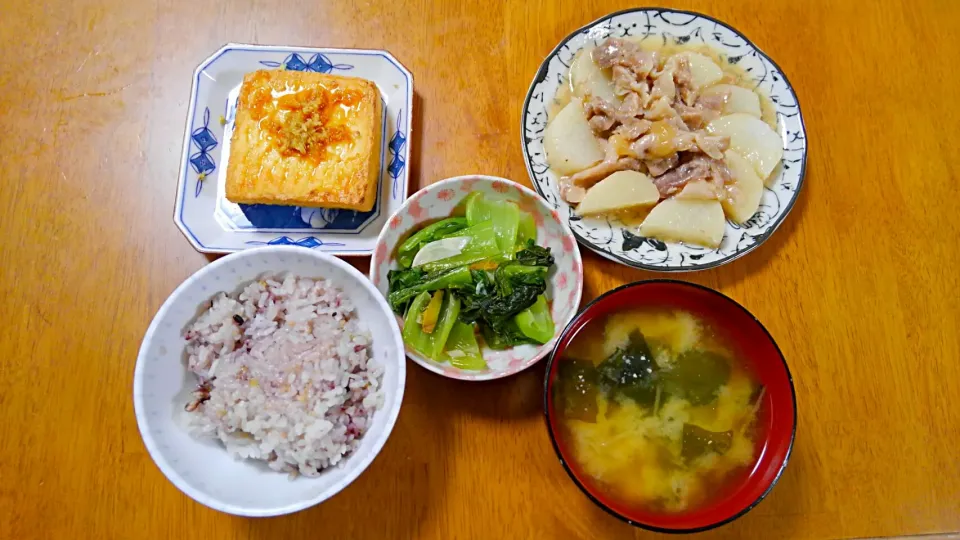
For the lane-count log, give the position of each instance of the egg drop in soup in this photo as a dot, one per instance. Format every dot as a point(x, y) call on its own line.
point(657, 410)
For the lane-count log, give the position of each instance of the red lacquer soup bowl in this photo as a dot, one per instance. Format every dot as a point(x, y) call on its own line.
point(776, 420)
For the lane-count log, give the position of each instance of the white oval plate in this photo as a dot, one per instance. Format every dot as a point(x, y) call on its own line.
point(213, 224)
point(612, 239)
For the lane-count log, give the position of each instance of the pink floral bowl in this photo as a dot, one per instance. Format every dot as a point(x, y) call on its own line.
point(564, 284)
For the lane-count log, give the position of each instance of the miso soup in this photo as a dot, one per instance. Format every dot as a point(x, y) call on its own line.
point(657, 409)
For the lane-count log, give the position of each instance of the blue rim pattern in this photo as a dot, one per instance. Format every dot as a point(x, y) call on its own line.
point(203, 163)
point(307, 241)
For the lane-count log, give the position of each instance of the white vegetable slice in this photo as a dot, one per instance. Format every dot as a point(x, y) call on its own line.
point(739, 99)
point(569, 142)
point(743, 195)
point(703, 70)
point(686, 220)
point(752, 138)
point(441, 249)
point(622, 190)
point(588, 79)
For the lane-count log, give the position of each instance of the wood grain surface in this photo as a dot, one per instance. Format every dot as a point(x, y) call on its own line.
point(859, 286)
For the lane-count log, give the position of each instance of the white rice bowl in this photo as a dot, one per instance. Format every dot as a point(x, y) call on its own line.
point(327, 389)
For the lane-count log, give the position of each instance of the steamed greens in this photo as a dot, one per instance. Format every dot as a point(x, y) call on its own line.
point(478, 274)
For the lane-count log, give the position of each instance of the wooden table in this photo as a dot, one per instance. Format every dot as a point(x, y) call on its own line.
point(859, 287)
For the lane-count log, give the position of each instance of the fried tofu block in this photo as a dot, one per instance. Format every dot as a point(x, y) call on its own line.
point(305, 139)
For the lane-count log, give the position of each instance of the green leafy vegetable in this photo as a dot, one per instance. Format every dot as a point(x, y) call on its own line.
point(430, 344)
point(527, 231)
point(473, 299)
point(511, 275)
point(631, 372)
point(505, 216)
point(534, 255)
point(495, 300)
point(462, 350)
point(461, 208)
point(535, 321)
point(503, 334)
point(698, 441)
point(697, 376)
point(403, 279)
point(453, 279)
point(516, 289)
point(412, 334)
point(435, 231)
point(482, 245)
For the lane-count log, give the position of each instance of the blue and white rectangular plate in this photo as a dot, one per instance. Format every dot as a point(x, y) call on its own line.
point(215, 225)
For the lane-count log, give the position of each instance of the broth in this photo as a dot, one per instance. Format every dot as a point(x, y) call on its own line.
point(657, 409)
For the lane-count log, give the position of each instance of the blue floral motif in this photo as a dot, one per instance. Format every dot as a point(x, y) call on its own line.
point(202, 161)
point(319, 62)
point(318, 218)
point(397, 142)
point(307, 242)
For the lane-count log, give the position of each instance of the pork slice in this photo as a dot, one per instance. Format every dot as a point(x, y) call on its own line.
point(625, 82)
point(611, 50)
point(641, 146)
point(664, 86)
point(631, 107)
point(677, 122)
point(601, 124)
point(588, 177)
point(658, 167)
point(633, 128)
point(683, 79)
point(640, 62)
point(621, 52)
point(569, 192)
point(601, 114)
point(713, 102)
point(659, 109)
point(596, 105)
point(710, 145)
point(697, 116)
point(698, 168)
point(684, 141)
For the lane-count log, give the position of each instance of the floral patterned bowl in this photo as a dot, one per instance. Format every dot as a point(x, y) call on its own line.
point(615, 240)
point(564, 284)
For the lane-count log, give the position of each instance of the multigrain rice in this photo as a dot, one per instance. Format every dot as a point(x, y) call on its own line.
point(285, 374)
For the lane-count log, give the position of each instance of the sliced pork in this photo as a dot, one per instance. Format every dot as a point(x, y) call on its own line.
point(588, 177)
point(656, 126)
point(698, 168)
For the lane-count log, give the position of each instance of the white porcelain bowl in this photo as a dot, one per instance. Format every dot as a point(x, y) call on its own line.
point(202, 468)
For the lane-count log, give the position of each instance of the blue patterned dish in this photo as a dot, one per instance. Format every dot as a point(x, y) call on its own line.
point(611, 238)
point(213, 224)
